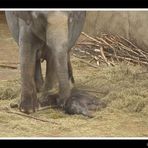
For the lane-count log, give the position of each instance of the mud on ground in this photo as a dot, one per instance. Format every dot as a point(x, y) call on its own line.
point(123, 87)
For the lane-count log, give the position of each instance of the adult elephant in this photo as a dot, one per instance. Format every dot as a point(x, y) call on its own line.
point(48, 35)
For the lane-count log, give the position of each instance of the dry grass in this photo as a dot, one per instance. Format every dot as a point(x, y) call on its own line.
point(124, 88)
point(9, 89)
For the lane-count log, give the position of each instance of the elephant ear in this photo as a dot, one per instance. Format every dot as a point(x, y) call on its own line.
point(25, 15)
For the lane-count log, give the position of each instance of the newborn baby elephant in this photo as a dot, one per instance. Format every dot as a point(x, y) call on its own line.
point(47, 35)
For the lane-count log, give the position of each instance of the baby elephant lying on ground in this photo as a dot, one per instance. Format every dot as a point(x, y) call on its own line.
point(48, 35)
point(79, 103)
point(83, 103)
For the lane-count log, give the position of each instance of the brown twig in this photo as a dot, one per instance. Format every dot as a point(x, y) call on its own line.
point(109, 46)
point(47, 107)
point(114, 48)
point(130, 59)
point(8, 66)
point(88, 43)
point(105, 59)
point(127, 41)
point(11, 63)
point(94, 91)
point(81, 60)
point(105, 42)
point(29, 116)
point(93, 39)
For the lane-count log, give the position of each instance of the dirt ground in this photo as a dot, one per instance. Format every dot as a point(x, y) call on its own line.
point(123, 87)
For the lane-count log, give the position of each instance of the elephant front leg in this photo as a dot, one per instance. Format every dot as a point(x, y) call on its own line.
point(63, 78)
point(28, 102)
point(57, 41)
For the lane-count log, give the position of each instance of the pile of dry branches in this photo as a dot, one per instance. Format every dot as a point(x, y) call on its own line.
point(109, 49)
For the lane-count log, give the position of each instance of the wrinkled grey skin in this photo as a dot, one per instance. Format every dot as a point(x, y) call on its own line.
point(83, 103)
point(50, 36)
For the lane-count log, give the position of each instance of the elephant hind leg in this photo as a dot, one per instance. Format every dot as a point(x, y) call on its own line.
point(48, 98)
point(70, 71)
point(50, 77)
point(38, 76)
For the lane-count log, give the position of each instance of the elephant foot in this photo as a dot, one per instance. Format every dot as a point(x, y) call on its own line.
point(14, 104)
point(28, 104)
point(48, 99)
point(83, 103)
point(61, 103)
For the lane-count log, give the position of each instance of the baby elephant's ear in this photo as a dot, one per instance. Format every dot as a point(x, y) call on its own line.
point(25, 15)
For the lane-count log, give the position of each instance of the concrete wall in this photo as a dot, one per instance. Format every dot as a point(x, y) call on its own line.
point(132, 25)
